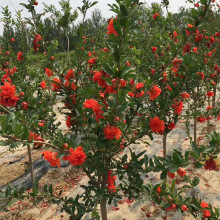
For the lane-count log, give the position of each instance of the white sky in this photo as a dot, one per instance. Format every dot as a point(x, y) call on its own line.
point(102, 5)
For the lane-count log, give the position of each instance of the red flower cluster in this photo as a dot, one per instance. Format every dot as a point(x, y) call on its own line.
point(48, 71)
point(171, 207)
point(111, 132)
point(206, 213)
point(155, 16)
point(111, 182)
point(157, 125)
point(7, 95)
point(35, 42)
point(210, 164)
point(111, 29)
point(52, 158)
point(138, 93)
point(56, 84)
point(181, 172)
point(24, 105)
point(43, 85)
point(94, 105)
point(20, 56)
point(76, 157)
point(210, 94)
point(171, 126)
point(154, 92)
point(35, 137)
point(154, 49)
point(177, 107)
point(201, 119)
point(185, 95)
point(68, 121)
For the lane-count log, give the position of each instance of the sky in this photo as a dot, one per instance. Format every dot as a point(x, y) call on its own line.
point(102, 5)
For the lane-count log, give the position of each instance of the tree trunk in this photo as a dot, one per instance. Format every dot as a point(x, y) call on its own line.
point(195, 130)
point(103, 209)
point(164, 145)
point(214, 97)
point(208, 123)
point(31, 168)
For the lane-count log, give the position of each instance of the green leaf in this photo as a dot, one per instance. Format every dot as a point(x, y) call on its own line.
point(50, 189)
point(195, 148)
point(195, 181)
point(107, 69)
point(146, 161)
point(163, 175)
point(204, 2)
point(198, 165)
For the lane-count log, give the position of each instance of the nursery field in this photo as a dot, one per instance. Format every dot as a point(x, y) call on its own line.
point(110, 118)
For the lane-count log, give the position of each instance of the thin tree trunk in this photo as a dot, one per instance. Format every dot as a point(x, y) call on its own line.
point(31, 168)
point(164, 145)
point(208, 123)
point(103, 209)
point(214, 97)
point(31, 165)
point(195, 130)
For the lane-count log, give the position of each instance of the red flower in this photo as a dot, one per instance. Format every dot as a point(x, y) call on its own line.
point(210, 164)
point(171, 126)
point(155, 16)
point(154, 92)
point(5, 78)
point(172, 206)
point(157, 125)
point(20, 56)
point(210, 94)
point(111, 29)
point(122, 83)
point(35, 42)
point(56, 84)
point(76, 157)
point(35, 3)
point(187, 48)
point(177, 107)
point(35, 137)
point(70, 74)
point(24, 105)
point(204, 204)
point(171, 175)
point(38, 37)
point(111, 132)
point(41, 123)
point(209, 108)
point(154, 49)
point(139, 85)
point(52, 158)
point(12, 40)
point(94, 105)
point(48, 72)
point(184, 208)
point(185, 95)
point(131, 94)
point(68, 121)
point(195, 49)
point(43, 85)
point(206, 213)
point(201, 119)
point(111, 182)
point(7, 95)
point(97, 78)
point(158, 190)
point(181, 172)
